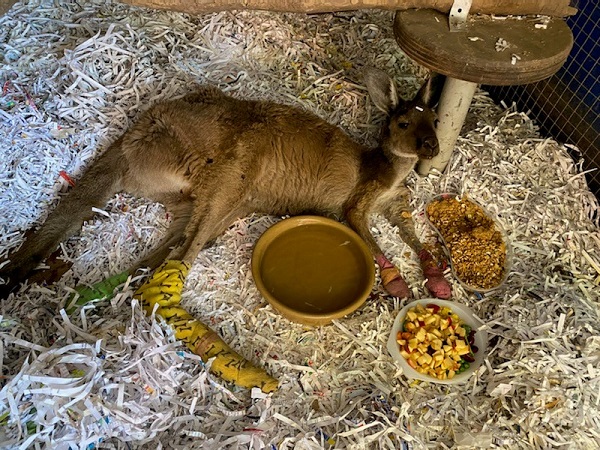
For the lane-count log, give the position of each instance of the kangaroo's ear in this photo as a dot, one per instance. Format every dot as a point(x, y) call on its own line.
point(431, 91)
point(382, 89)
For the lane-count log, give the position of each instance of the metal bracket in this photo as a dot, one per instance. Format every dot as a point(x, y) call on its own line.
point(458, 14)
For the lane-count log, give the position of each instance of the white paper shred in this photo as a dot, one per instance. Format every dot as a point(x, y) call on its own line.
point(75, 74)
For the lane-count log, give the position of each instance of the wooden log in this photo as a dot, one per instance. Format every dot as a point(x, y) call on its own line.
point(5, 5)
point(559, 8)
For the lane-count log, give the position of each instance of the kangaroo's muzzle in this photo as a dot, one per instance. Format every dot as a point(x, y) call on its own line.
point(427, 147)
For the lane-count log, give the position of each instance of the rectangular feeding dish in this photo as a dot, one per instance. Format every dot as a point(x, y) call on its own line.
point(474, 241)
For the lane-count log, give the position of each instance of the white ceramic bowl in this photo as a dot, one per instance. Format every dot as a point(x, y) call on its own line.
point(466, 316)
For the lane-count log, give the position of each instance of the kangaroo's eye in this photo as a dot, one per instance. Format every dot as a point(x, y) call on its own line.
point(403, 125)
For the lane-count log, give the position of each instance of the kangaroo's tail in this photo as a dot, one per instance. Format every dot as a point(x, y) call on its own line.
point(98, 184)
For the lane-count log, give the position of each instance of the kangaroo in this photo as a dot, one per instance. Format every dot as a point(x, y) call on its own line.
point(211, 159)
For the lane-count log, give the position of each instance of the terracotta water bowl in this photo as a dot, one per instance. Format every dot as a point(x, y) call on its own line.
point(312, 269)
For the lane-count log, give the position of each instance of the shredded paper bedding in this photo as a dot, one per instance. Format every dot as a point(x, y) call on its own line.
point(75, 74)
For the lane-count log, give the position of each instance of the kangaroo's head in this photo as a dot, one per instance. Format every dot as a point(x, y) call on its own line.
point(409, 131)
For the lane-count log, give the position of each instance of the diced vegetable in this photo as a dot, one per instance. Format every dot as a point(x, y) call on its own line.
point(436, 342)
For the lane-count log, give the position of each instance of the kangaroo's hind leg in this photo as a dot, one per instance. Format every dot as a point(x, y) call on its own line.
point(173, 244)
point(98, 184)
point(215, 209)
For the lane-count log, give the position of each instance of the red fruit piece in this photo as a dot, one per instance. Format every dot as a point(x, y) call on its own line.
point(434, 307)
point(468, 357)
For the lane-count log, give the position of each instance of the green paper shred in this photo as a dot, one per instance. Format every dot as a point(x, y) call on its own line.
point(99, 291)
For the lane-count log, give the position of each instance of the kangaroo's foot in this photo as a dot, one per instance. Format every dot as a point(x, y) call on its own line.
point(391, 279)
point(436, 282)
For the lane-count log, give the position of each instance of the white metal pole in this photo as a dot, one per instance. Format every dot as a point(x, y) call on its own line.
point(452, 109)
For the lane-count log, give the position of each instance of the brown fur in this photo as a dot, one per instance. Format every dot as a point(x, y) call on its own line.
point(211, 158)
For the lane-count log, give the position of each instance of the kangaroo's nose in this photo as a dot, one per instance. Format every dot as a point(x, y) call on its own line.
point(429, 146)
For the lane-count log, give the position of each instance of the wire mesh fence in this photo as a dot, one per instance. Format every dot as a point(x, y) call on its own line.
point(566, 105)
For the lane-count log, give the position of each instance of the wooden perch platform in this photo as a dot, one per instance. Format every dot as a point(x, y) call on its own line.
point(531, 54)
point(558, 8)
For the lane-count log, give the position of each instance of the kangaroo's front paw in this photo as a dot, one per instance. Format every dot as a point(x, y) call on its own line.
point(436, 282)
